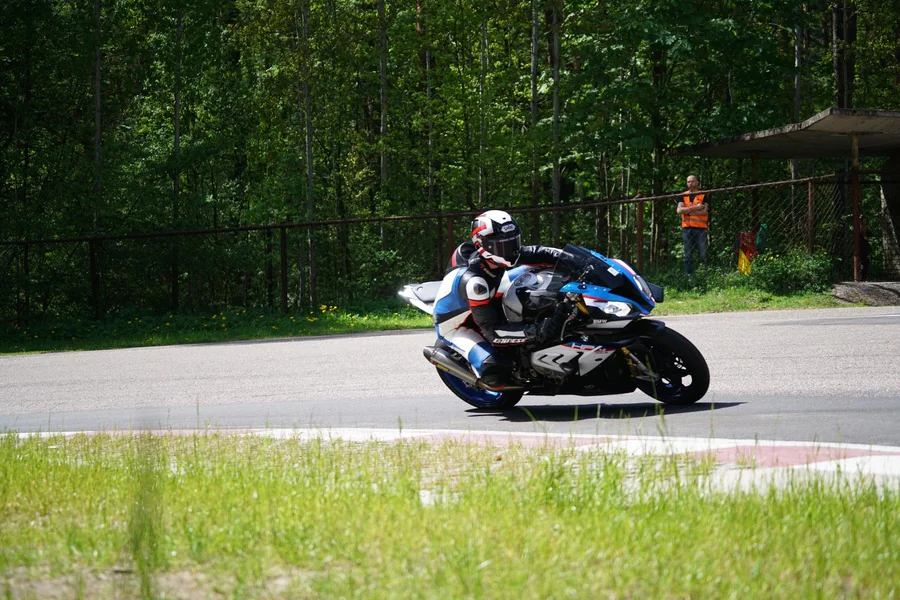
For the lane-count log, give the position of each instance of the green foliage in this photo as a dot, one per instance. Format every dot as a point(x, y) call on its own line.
point(793, 272)
point(702, 281)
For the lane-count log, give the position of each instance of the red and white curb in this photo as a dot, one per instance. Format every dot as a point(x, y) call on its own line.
point(761, 456)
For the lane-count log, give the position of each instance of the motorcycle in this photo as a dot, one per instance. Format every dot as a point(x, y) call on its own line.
point(607, 346)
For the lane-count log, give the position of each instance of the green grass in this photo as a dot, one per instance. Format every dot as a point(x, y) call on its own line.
point(740, 299)
point(211, 516)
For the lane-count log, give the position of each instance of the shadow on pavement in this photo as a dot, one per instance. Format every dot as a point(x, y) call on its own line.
point(581, 412)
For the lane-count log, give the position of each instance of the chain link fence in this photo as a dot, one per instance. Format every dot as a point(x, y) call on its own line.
point(359, 260)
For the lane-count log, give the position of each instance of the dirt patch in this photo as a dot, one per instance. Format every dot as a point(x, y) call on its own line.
point(124, 583)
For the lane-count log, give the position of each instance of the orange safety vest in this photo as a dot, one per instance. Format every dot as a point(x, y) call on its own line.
point(698, 221)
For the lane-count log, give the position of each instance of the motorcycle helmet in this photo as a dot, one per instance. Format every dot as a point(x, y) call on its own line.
point(497, 237)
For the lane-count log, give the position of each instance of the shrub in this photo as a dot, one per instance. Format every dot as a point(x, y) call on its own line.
point(796, 271)
point(703, 280)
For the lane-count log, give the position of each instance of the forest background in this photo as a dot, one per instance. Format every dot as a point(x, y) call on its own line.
point(123, 116)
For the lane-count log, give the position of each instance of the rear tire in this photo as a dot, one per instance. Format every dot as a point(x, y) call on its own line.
point(684, 374)
point(479, 398)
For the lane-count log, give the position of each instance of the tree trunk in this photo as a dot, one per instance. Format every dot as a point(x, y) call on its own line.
point(343, 231)
point(98, 165)
point(849, 53)
point(556, 166)
point(600, 228)
point(535, 172)
point(25, 139)
point(837, 41)
point(22, 136)
point(382, 74)
point(310, 189)
point(657, 216)
point(624, 253)
point(425, 64)
point(176, 175)
point(482, 118)
point(796, 193)
point(798, 70)
point(657, 125)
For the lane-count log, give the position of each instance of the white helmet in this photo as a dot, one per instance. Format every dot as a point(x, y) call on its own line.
point(497, 237)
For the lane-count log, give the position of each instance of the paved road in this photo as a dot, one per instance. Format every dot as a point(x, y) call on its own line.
point(821, 375)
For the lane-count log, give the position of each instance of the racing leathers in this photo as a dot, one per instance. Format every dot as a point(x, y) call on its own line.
point(461, 256)
point(469, 317)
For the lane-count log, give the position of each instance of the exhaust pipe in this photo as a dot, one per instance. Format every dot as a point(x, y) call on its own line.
point(442, 360)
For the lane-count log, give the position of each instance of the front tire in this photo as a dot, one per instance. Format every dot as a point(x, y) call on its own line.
point(684, 374)
point(479, 398)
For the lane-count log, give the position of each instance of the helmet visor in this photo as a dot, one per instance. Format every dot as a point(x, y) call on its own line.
point(506, 248)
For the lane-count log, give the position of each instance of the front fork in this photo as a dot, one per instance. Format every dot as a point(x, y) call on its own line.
point(638, 369)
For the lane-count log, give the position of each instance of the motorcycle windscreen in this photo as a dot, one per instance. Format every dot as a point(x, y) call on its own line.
point(574, 260)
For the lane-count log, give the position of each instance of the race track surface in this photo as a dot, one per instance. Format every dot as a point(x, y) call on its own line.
point(822, 375)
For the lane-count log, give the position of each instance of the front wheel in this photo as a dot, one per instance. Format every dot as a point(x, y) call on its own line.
point(479, 398)
point(682, 370)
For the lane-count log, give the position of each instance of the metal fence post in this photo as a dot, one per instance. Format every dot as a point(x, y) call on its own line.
point(754, 193)
point(854, 177)
point(95, 277)
point(270, 273)
point(810, 219)
point(639, 238)
point(284, 269)
point(440, 246)
point(27, 283)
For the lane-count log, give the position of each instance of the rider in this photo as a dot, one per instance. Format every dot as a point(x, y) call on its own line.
point(467, 311)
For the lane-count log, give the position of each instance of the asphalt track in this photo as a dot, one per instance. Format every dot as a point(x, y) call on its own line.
point(820, 375)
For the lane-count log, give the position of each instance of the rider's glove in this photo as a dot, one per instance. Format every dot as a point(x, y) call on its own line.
point(550, 328)
point(571, 264)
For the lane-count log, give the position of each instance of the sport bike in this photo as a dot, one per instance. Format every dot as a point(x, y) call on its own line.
point(607, 346)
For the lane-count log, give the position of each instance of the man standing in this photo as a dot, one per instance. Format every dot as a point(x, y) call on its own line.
point(694, 223)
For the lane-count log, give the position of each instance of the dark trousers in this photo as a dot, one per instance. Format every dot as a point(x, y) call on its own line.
point(694, 238)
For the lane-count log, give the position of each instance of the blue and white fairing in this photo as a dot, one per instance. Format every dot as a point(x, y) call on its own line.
point(612, 292)
point(613, 287)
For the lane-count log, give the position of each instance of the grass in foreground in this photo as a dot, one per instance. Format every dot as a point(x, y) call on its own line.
point(135, 330)
point(211, 516)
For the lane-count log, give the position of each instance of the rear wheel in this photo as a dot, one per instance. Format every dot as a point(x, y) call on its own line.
point(476, 397)
point(682, 370)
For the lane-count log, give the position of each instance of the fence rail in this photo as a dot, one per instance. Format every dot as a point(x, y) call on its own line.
point(368, 257)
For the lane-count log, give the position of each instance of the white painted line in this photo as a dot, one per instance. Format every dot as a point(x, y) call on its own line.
point(646, 444)
point(868, 465)
point(872, 316)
